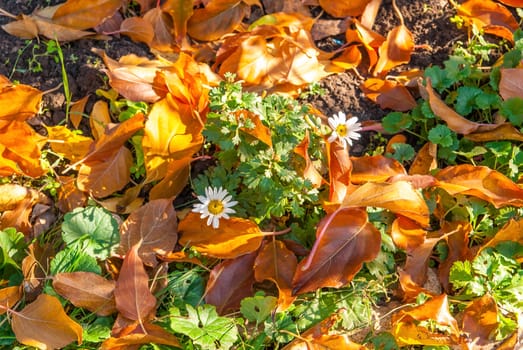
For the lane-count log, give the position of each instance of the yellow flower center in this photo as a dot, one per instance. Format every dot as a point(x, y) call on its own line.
point(215, 207)
point(341, 130)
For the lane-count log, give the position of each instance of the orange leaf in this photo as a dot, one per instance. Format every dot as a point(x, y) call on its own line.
point(407, 234)
point(454, 121)
point(481, 182)
point(69, 196)
point(277, 263)
point(233, 238)
point(511, 232)
point(259, 131)
point(138, 29)
point(370, 40)
point(133, 297)
point(18, 102)
point(77, 110)
point(229, 282)
point(44, 324)
point(181, 11)
point(163, 39)
point(87, 290)
point(513, 3)
point(425, 160)
point(396, 50)
point(72, 146)
point(406, 330)
point(495, 132)
point(126, 203)
point(350, 58)
point(174, 181)
point(309, 172)
point(399, 197)
point(8, 298)
point(79, 14)
point(340, 168)
point(35, 268)
point(480, 321)
point(154, 225)
point(388, 94)
point(99, 118)
point(374, 169)
point(344, 8)
point(217, 18)
point(345, 240)
point(150, 333)
point(492, 17)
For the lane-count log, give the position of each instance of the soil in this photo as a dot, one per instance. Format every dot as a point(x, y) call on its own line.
point(428, 21)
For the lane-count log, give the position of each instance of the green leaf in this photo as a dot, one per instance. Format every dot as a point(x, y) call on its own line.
point(95, 226)
point(206, 328)
point(461, 274)
point(403, 152)
point(438, 77)
point(74, 258)
point(384, 341)
point(12, 246)
point(466, 99)
point(441, 135)
point(513, 110)
point(186, 287)
point(98, 331)
point(258, 308)
point(396, 121)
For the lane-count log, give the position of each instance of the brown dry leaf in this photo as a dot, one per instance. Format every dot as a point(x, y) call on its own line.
point(44, 324)
point(509, 83)
point(146, 334)
point(480, 321)
point(454, 121)
point(87, 290)
point(350, 58)
point(133, 297)
point(278, 264)
point(368, 17)
point(9, 296)
point(11, 195)
point(35, 268)
point(345, 240)
point(77, 111)
point(399, 197)
point(99, 119)
point(394, 51)
point(406, 330)
point(180, 257)
point(490, 16)
point(134, 77)
point(71, 145)
point(481, 182)
point(79, 14)
point(374, 169)
point(259, 130)
point(388, 94)
point(407, 234)
point(24, 28)
point(138, 29)
point(154, 225)
point(217, 18)
point(425, 160)
point(457, 250)
point(344, 8)
point(340, 169)
point(229, 282)
point(181, 11)
point(126, 203)
point(511, 232)
point(495, 132)
point(370, 39)
point(289, 6)
point(234, 237)
point(69, 196)
point(163, 39)
point(318, 337)
point(309, 172)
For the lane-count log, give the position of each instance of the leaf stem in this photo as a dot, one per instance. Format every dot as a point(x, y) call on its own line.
point(398, 12)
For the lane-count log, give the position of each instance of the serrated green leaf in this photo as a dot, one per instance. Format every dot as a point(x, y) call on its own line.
point(441, 135)
point(461, 274)
point(206, 328)
point(258, 308)
point(74, 258)
point(403, 152)
point(95, 226)
point(513, 110)
point(466, 99)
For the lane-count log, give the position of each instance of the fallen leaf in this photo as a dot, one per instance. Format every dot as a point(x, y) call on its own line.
point(480, 321)
point(374, 169)
point(425, 160)
point(71, 145)
point(174, 180)
point(407, 234)
point(87, 290)
point(181, 12)
point(77, 110)
point(370, 40)
point(482, 182)
point(309, 172)
point(278, 264)
point(154, 225)
point(395, 50)
point(148, 334)
point(35, 268)
point(399, 197)
point(344, 8)
point(69, 196)
point(81, 15)
point(345, 240)
point(406, 330)
point(511, 232)
point(9, 296)
point(258, 131)
point(229, 282)
point(44, 324)
point(508, 83)
point(138, 29)
point(234, 237)
point(161, 23)
point(133, 297)
point(388, 94)
point(340, 170)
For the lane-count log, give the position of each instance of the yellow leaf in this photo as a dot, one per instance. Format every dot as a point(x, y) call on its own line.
point(45, 325)
point(71, 145)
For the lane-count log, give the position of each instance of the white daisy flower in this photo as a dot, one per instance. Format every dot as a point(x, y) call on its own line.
point(216, 204)
point(343, 129)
